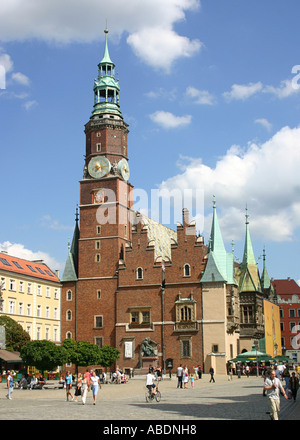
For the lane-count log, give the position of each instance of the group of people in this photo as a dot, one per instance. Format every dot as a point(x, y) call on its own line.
point(84, 383)
point(119, 376)
point(184, 377)
point(26, 382)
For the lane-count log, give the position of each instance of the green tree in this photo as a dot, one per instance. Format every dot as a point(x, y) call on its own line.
point(108, 355)
point(82, 353)
point(15, 336)
point(44, 355)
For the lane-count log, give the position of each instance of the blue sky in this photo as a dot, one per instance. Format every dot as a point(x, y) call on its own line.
point(210, 92)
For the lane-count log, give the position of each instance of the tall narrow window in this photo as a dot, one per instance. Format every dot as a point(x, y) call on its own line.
point(139, 273)
point(187, 270)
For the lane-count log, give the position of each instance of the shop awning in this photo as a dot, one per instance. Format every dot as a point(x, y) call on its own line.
point(10, 356)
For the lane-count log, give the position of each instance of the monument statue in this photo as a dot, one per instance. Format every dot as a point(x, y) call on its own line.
point(147, 348)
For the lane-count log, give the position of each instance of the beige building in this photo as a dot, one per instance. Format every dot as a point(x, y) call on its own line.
point(220, 302)
point(30, 293)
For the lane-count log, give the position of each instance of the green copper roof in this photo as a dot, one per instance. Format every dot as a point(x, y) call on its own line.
point(71, 267)
point(106, 87)
point(266, 285)
point(248, 257)
point(220, 264)
point(265, 279)
point(106, 57)
point(249, 280)
point(212, 273)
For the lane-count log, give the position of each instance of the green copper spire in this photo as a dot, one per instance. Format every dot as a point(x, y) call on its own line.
point(248, 257)
point(106, 88)
point(71, 267)
point(219, 267)
point(249, 280)
point(217, 244)
point(266, 285)
point(106, 58)
point(265, 279)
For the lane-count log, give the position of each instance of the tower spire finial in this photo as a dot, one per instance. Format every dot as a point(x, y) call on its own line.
point(214, 201)
point(247, 215)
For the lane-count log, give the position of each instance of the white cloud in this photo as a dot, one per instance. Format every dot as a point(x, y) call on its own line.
point(28, 105)
point(169, 120)
point(287, 88)
point(19, 250)
point(170, 95)
point(265, 177)
point(202, 97)
point(20, 78)
point(150, 24)
point(242, 91)
point(264, 123)
point(6, 62)
point(159, 47)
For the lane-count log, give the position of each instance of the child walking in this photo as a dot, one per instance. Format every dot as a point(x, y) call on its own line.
point(192, 381)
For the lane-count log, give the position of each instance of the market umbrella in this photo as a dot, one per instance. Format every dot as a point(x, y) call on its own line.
point(281, 358)
point(237, 359)
point(253, 356)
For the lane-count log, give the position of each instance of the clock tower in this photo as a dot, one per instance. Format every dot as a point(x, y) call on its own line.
point(105, 207)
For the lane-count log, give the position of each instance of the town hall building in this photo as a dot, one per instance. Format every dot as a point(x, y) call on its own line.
point(160, 296)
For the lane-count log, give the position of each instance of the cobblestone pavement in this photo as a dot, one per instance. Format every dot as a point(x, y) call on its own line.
point(239, 399)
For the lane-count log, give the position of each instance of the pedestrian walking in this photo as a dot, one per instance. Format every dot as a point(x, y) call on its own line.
point(247, 371)
point(69, 381)
point(84, 389)
point(179, 376)
point(87, 375)
point(212, 372)
point(185, 377)
point(286, 376)
point(199, 371)
point(273, 386)
point(10, 385)
point(95, 382)
point(78, 387)
point(192, 381)
point(294, 385)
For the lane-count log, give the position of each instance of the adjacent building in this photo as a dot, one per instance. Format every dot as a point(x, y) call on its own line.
point(287, 293)
point(30, 294)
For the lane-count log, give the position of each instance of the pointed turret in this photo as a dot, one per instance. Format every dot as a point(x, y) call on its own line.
point(71, 267)
point(219, 265)
point(106, 87)
point(249, 280)
point(266, 284)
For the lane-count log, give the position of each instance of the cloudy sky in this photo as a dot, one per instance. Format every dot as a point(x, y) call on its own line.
point(210, 90)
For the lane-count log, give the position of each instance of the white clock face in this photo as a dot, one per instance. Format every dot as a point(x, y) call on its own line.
point(123, 169)
point(99, 166)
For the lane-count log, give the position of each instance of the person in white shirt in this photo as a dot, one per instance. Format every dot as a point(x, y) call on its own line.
point(95, 382)
point(273, 386)
point(150, 382)
point(33, 382)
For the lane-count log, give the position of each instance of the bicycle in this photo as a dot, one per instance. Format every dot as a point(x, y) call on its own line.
point(150, 396)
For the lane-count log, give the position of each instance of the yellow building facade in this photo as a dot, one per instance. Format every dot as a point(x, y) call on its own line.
point(30, 294)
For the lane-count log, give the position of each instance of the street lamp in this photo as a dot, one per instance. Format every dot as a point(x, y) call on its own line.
point(256, 343)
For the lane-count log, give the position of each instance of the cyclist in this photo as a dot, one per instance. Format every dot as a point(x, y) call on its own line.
point(150, 378)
